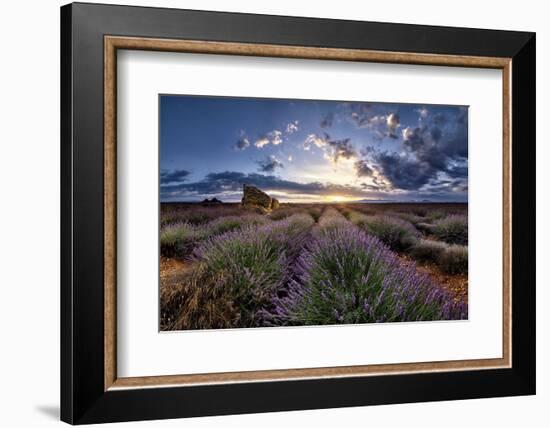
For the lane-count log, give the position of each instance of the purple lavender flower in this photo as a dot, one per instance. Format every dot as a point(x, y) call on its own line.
point(343, 261)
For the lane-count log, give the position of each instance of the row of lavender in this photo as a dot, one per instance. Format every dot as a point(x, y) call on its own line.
point(251, 271)
point(439, 238)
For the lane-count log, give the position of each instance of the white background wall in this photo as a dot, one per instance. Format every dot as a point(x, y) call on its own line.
point(29, 213)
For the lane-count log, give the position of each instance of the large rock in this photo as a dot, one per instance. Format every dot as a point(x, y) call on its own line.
point(254, 197)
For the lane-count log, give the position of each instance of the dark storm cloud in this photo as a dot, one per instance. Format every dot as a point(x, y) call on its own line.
point(327, 121)
point(269, 164)
point(404, 172)
point(445, 137)
point(380, 121)
point(174, 176)
point(376, 184)
point(242, 143)
point(230, 181)
point(457, 171)
point(439, 119)
point(334, 149)
point(360, 114)
point(362, 168)
point(413, 138)
point(368, 186)
point(436, 133)
point(392, 123)
point(341, 149)
point(435, 149)
point(459, 185)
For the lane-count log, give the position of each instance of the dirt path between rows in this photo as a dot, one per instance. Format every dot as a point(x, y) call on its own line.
point(170, 267)
point(456, 284)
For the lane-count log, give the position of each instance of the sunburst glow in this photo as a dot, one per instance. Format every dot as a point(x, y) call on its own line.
point(339, 198)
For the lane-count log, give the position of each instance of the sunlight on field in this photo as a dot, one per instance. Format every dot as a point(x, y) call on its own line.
point(339, 198)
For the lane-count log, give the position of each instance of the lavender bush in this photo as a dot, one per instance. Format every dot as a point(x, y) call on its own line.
point(178, 239)
point(360, 219)
point(452, 229)
point(410, 217)
point(345, 276)
point(398, 234)
point(425, 228)
point(201, 215)
point(454, 260)
point(283, 212)
point(315, 212)
point(428, 250)
point(332, 219)
point(228, 223)
point(434, 215)
point(252, 264)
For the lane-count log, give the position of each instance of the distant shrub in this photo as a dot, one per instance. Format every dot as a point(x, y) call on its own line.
point(315, 212)
point(435, 214)
point(228, 223)
point(178, 239)
point(410, 217)
point(344, 210)
point(345, 276)
point(427, 250)
point(452, 229)
point(332, 219)
point(281, 213)
point(398, 234)
point(454, 260)
point(359, 219)
point(425, 228)
point(418, 211)
point(365, 209)
point(170, 217)
point(299, 221)
point(198, 214)
point(222, 225)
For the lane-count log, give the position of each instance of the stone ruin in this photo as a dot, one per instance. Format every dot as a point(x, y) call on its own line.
point(254, 197)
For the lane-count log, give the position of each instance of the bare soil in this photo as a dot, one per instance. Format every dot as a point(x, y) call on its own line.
point(456, 284)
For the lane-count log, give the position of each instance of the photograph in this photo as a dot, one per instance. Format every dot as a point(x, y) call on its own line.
point(291, 212)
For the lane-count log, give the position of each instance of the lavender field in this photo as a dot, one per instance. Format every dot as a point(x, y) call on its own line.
point(227, 266)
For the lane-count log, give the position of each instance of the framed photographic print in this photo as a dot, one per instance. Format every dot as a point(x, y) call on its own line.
point(265, 213)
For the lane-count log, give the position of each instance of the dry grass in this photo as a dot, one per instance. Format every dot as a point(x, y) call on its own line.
point(190, 299)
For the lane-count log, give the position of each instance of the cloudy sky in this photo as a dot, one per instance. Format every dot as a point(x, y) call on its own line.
point(312, 151)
